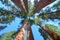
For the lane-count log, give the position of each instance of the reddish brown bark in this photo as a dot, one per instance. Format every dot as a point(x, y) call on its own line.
point(19, 4)
point(41, 4)
point(29, 35)
point(53, 35)
point(20, 35)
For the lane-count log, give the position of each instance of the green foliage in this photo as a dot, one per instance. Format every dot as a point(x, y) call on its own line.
point(2, 25)
point(7, 19)
point(44, 34)
point(57, 5)
point(37, 21)
point(59, 23)
point(7, 36)
point(31, 10)
point(6, 1)
point(53, 28)
point(55, 15)
point(8, 16)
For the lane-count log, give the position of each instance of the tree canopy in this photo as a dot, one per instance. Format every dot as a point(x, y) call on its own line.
point(26, 10)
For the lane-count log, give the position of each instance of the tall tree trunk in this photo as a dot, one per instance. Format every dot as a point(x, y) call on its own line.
point(20, 35)
point(26, 4)
point(29, 35)
point(41, 4)
point(51, 34)
point(20, 5)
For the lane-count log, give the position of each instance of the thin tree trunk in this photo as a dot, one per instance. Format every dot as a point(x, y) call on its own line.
point(51, 34)
point(29, 35)
point(20, 35)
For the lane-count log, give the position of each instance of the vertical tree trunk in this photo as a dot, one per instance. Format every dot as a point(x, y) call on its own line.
point(51, 34)
point(54, 36)
point(41, 4)
point(20, 35)
point(20, 5)
point(26, 4)
point(29, 35)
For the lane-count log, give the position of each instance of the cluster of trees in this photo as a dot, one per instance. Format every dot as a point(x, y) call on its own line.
point(27, 12)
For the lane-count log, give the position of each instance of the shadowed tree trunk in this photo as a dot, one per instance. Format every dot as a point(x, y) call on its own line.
point(41, 4)
point(26, 4)
point(20, 35)
point(20, 5)
point(51, 34)
point(29, 35)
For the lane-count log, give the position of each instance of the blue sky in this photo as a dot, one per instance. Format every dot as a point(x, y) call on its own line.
point(14, 25)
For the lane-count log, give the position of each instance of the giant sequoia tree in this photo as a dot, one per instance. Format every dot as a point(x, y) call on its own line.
point(26, 11)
